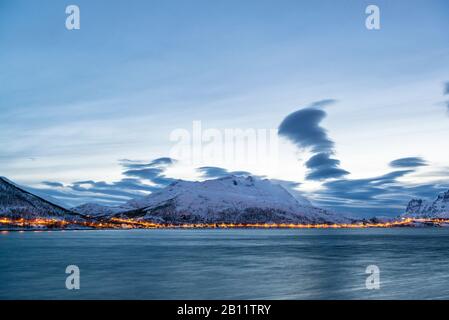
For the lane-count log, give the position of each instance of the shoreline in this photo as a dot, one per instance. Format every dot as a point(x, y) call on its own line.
point(45, 225)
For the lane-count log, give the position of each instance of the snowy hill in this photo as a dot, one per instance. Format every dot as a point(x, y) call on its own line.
point(16, 202)
point(439, 208)
point(97, 210)
point(229, 199)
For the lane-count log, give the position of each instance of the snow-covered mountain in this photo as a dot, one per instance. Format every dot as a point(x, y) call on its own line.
point(439, 208)
point(232, 199)
point(16, 202)
point(229, 199)
point(97, 210)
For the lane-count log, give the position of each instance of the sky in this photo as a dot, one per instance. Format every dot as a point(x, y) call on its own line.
point(355, 119)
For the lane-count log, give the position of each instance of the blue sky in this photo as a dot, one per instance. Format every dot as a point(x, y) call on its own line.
point(75, 104)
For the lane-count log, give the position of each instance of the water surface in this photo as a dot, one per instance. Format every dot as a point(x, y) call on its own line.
point(226, 264)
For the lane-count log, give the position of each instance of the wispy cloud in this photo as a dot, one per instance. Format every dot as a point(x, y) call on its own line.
point(52, 184)
point(152, 171)
point(323, 167)
point(141, 178)
point(371, 196)
point(380, 195)
point(303, 128)
point(408, 162)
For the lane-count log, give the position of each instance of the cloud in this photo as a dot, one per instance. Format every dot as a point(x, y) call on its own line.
point(217, 172)
point(165, 161)
point(303, 128)
point(146, 173)
point(323, 167)
point(380, 195)
point(323, 103)
point(69, 197)
point(141, 178)
point(159, 162)
point(153, 171)
point(52, 184)
point(362, 189)
point(125, 188)
point(409, 162)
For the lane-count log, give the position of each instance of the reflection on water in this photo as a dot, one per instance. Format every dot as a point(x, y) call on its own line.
point(226, 264)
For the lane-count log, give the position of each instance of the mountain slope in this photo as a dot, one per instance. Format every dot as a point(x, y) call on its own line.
point(439, 208)
point(230, 199)
point(16, 202)
point(96, 210)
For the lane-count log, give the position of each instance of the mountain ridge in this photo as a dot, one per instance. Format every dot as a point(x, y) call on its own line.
point(421, 208)
point(230, 199)
point(16, 202)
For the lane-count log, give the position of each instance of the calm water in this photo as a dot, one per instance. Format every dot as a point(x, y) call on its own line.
point(226, 264)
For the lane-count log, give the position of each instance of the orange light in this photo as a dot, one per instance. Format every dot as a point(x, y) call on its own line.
point(119, 223)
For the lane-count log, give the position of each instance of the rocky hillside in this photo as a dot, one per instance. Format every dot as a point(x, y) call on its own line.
point(15, 202)
point(439, 208)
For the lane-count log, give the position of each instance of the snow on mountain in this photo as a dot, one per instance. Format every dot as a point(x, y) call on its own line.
point(228, 199)
point(97, 210)
point(439, 208)
point(16, 202)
